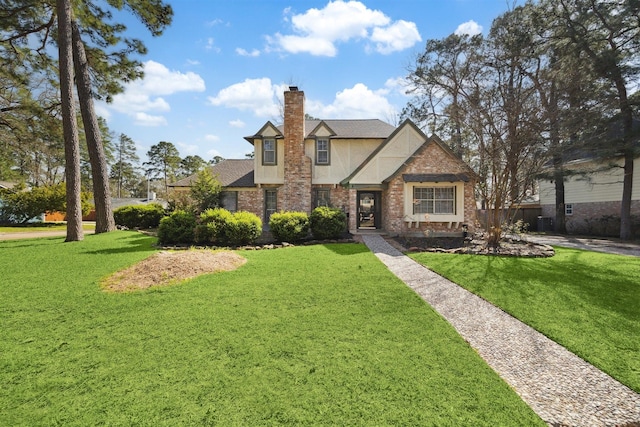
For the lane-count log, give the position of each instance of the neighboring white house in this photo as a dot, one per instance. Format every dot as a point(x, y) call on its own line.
point(593, 200)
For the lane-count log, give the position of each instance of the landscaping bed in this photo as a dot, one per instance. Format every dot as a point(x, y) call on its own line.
point(477, 246)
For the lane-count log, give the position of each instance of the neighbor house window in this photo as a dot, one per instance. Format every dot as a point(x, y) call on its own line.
point(568, 209)
point(322, 151)
point(269, 151)
point(229, 200)
point(321, 197)
point(434, 200)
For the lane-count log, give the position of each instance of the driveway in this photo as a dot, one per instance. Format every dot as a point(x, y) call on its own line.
point(612, 246)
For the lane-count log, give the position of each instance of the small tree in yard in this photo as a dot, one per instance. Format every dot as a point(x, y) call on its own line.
point(206, 190)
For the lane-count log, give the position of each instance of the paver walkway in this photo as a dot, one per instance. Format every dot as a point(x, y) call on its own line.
point(561, 388)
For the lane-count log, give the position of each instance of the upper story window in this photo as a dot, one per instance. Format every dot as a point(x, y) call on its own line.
point(269, 151)
point(322, 151)
point(434, 200)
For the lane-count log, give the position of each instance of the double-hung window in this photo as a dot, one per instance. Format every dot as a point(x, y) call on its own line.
point(322, 197)
point(322, 151)
point(434, 200)
point(269, 151)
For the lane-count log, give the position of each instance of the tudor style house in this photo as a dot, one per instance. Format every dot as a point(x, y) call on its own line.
point(385, 178)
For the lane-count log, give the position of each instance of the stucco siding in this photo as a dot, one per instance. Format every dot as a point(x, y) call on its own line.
point(269, 174)
point(345, 156)
point(391, 157)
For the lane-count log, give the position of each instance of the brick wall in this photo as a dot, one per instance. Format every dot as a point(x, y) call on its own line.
point(589, 218)
point(432, 159)
point(296, 191)
point(252, 201)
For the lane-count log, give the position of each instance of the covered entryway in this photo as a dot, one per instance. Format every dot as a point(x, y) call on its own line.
point(369, 210)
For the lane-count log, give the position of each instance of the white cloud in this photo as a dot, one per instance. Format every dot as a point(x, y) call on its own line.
point(470, 28)
point(144, 119)
point(396, 37)
point(215, 22)
point(146, 95)
point(193, 62)
point(211, 138)
point(237, 123)
point(243, 52)
point(213, 153)
point(257, 95)
point(317, 31)
point(397, 85)
point(187, 148)
point(316, 46)
point(358, 102)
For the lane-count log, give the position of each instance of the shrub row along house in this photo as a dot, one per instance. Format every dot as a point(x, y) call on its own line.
point(385, 178)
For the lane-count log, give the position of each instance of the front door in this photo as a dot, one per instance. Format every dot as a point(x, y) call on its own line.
point(369, 209)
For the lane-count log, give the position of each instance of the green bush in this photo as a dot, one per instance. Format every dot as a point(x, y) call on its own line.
point(289, 226)
point(212, 226)
point(177, 228)
point(18, 205)
point(139, 216)
point(244, 229)
point(220, 227)
point(328, 223)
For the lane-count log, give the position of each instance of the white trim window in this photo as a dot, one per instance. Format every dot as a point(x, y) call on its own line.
point(568, 209)
point(434, 200)
point(269, 151)
point(322, 151)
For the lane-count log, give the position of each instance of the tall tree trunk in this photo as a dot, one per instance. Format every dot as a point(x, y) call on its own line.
point(97, 158)
point(628, 153)
point(69, 124)
point(560, 223)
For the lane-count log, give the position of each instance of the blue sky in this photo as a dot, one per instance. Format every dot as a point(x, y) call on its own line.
point(218, 72)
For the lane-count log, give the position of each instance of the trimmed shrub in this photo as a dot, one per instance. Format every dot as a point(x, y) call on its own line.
point(177, 228)
point(328, 223)
point(245, 228)
point(139, 216)
point(289, 226)
point(212, 226)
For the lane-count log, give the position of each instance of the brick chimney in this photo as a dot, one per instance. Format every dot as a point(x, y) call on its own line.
point(296, 194)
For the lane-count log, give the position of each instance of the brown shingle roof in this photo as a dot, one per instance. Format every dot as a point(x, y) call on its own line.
point(364, 128)
point(230, 173)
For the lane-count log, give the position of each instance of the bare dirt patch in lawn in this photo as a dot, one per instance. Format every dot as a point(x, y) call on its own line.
point(170, 267)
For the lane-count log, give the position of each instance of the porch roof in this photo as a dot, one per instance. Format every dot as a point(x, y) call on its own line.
point(435, 177)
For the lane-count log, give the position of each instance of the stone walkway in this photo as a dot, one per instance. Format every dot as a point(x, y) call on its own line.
point(561, 388)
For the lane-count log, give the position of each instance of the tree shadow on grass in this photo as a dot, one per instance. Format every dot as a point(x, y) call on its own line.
point(126, 244)
point(346, 248)
point(31, 242)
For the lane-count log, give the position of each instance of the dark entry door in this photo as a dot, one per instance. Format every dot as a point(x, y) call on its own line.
point(369, 209)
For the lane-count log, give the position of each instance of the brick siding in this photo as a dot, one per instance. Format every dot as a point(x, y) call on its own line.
point(296, 191)
point(431, 160)
point(596, 218)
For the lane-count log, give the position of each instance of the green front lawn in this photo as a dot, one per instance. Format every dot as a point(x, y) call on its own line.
point(317, 335)
point(42, 226)
point(587, 301)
